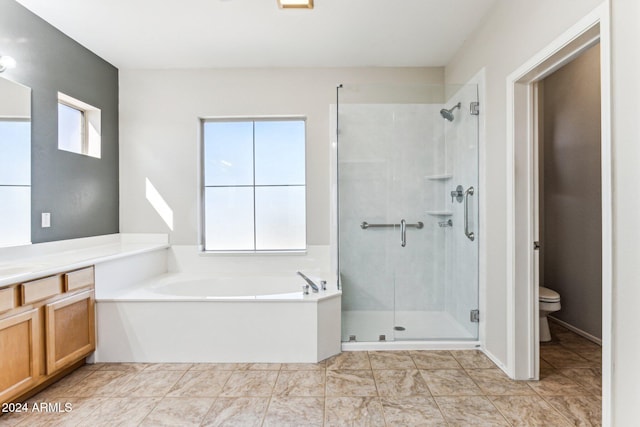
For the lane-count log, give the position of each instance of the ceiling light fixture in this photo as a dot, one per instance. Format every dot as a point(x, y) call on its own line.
point(7, 62)
point(295, 4)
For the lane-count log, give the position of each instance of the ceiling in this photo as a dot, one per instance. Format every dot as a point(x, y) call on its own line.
point(256, 33)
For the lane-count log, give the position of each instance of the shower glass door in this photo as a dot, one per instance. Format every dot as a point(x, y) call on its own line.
point(408, 267)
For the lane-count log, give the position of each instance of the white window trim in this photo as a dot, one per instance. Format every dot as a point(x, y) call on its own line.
point(201, 190)
point(91, 126)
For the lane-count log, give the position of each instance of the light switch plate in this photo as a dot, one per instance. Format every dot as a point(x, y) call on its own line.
point(46, 219)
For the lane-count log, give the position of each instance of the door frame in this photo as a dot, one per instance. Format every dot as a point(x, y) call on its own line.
point(522, 294)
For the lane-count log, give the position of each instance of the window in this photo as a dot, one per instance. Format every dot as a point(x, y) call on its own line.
point(15, 181)
point(78, 126)
point(254, 185)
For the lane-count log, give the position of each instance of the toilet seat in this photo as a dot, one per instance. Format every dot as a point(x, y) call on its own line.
point(548, 295)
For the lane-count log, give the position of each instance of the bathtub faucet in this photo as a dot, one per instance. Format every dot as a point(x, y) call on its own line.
point(309, 281)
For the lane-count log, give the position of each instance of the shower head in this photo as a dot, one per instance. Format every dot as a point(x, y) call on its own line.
point(448, 114)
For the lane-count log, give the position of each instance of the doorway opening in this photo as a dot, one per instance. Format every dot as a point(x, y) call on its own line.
point(522, 133)
point(568, 221)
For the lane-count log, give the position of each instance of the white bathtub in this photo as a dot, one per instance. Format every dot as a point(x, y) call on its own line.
point(188, 317)
point(201, 286)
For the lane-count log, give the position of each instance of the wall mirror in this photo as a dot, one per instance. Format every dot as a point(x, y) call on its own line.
point(15, 163)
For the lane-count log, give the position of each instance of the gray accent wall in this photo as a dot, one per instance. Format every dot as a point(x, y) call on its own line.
point(571, 199)
point(80, 192)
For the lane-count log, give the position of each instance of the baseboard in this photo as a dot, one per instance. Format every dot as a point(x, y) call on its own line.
point(576, 330)
point(495, 360)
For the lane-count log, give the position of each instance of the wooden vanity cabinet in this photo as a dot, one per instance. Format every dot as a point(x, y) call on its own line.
point(70, 326)
point(47, 328)
point(19, 362)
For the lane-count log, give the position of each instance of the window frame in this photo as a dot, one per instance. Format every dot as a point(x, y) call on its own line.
point(202, 186)
point(84, 143)
point(91, 118)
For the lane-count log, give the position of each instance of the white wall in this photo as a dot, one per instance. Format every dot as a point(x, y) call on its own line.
point(626, 210)
point(513, 32)
point(159, 112)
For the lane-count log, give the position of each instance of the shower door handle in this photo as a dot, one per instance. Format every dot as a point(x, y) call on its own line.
point(403, 233)
point(467, 233)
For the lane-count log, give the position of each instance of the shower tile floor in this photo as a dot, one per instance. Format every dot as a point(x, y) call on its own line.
point(376, 388)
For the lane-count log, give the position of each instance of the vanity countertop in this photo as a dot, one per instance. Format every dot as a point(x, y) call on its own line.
point(23, 263)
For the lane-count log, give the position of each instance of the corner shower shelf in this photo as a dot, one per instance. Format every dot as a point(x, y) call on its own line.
point(440, 213)
point(441, 177)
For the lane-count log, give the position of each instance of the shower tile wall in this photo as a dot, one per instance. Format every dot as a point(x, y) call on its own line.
point(462, 254)
point(386, 152)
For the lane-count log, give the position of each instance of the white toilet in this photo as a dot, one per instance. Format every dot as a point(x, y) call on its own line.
point(549, 303)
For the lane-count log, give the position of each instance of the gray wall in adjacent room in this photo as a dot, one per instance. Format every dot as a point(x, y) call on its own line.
point(80, 192)
point(572, 197)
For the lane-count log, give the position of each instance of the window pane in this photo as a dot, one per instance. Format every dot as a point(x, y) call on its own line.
point(280, 218)
point(15, 215)
point(15, 146)
point(229, 218)
point(69, 129)
point(280, 152)
point(228, 153)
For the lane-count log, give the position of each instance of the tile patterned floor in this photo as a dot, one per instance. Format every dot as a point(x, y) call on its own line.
point(376, 388)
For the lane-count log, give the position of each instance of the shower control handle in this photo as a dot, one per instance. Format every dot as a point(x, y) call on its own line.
point(467, 233)
point(403, 233)
point(457, 194)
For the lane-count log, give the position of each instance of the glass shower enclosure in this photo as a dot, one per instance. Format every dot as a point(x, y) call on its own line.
point(407, 190)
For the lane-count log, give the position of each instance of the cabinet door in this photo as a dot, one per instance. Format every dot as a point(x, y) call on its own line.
point(70, 325)
point(20, 355)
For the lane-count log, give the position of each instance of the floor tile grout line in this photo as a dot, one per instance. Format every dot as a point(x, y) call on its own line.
point(161, 398)
point(444, 417)
point(326, 384)
point(384, 416)
point(225, 383)
point(489, 398)
point(541, 394)
point(324, 406)
point(586, 387)
point(215, 399)
point(489, 394)
point(483, 394)
point(324, 410)
point(273, 387)
point(204, 416)
point(562, 415)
